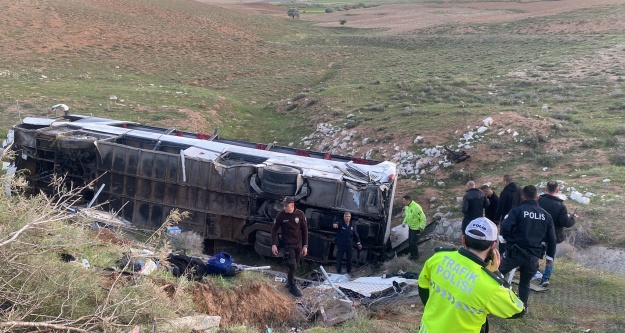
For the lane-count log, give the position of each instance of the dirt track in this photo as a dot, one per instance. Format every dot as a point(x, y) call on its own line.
point(406, 18)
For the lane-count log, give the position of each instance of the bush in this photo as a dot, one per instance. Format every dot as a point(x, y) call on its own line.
point(546, 160)
point(611, 141)
point(619, 130)
point(618, 158)
point(329, 10)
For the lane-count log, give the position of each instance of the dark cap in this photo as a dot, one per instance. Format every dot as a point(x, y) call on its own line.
point(288, 200)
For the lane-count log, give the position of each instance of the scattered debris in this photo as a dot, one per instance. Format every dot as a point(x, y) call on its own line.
point(197, 323)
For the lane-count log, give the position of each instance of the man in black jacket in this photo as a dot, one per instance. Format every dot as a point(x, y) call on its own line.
point(473, 204)
point(346, 235)
point(491, 209)
point(524, 230)
point(561, 219)
point(509, 197)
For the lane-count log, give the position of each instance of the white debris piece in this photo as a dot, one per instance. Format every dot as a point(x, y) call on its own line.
point(418, 139)
point(606, 180)
point(290, 144)
point(579, 198)
point(351, 115)
point(515, 133)
point(545, 107)
point(440, 183)
point(432, 199)
point(365, 141)
point(501, 133)
point(545, 169)
point(588, 194)
point(488, 121)
point(482, 129)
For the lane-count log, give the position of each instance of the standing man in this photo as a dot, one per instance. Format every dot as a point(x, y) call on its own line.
point(466, 284)
point(415, 219)
point(509, 197)
point(346, 234)
point(561, 219)
point(294, 229)
point(490, 210)
point(524, 230)
point(473, 204)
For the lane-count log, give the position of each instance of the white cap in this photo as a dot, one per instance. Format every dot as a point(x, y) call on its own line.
point(482, 229)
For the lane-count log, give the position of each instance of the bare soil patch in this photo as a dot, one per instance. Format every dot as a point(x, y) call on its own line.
point(254, 302)
point(406, 18)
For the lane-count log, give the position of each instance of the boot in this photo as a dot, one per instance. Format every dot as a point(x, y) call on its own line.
point(294, 290)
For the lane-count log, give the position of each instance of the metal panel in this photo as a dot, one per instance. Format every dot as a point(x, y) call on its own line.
point(322, 193)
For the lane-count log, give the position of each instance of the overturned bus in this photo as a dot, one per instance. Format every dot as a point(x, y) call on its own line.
point(231, 188)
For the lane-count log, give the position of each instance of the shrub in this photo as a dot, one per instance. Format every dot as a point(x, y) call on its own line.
point(611, 141)
point(329, 10)
point(619, 130)
point(618, 158)
point(291, 106)
point(546, 160)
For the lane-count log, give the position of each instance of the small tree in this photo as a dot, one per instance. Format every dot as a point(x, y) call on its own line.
point(342, 22)
point(293, 12)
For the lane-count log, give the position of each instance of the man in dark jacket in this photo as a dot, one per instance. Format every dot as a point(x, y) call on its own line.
point(294, 228)
point(346, 236)
point(491, 209)
point(524, 230)
point(509, 197)
point(561, 219)
point(473, 204)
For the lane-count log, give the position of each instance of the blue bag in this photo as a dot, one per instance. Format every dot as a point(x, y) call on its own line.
point(220, 264)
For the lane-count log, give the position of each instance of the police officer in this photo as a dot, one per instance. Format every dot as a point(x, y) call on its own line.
point(415, 220)
point(523, 231)
point(294, 227)
point(346, 235)
point(460, 288)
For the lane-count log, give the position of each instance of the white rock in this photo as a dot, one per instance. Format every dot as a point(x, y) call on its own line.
point(482, 129)
point(606, 180)
point(501, 133)
point(488, 121)
point(343, 145)
point(577, 197)
point(365, 141)
point(446, 164)
point(432, 199)
point(434, 168)
point(588, 194)
point(418, 139)
point(515, 133)
point(344, 133)
point(467, 147)
point(197, 323)
point(290, 144)
point(440, 183)
point(351, 115)
point(347, 138)
point(545, 169)
point(545, 107)
point(396, 148)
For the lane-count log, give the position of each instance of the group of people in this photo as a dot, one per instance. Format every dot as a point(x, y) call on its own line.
point(459, 288)
point(293, 225)
point(469, 282)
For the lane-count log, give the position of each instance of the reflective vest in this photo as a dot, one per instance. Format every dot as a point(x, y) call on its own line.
point(461, 294)
point(415, 218)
